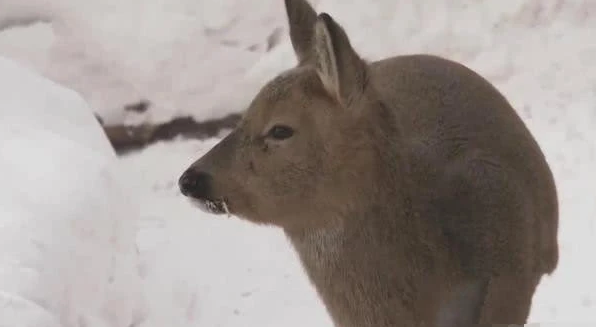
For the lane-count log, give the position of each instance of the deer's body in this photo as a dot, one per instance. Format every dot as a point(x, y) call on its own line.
point(481, 203)
point(411, 190)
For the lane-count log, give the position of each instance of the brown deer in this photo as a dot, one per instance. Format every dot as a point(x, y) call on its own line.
point(411, 190)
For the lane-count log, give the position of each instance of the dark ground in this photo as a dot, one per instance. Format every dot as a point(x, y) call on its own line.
point(126, 138)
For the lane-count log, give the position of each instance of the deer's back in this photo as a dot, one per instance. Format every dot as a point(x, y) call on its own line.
point(481, 174)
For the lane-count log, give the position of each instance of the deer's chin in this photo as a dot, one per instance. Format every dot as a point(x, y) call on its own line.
point(216, 207)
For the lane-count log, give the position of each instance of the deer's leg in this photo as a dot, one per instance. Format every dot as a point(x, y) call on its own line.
point(509, 299)
point(463, 307)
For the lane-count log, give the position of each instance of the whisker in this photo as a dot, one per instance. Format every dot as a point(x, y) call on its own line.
point(224, 204)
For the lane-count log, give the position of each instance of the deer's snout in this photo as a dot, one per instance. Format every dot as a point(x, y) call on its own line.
point(196, 184)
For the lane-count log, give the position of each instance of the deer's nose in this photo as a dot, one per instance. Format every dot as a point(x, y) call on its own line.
point(196, 184)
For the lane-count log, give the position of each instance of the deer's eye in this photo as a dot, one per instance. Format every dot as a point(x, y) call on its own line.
point(280, 132)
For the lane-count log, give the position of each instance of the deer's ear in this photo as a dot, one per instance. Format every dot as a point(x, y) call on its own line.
point(339, 67)
point(301, 19)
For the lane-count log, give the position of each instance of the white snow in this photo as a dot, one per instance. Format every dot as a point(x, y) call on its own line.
point(67, 228)
point(207, 59)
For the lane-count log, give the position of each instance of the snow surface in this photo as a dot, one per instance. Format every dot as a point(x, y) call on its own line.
point(67, 228)
point(208, 58)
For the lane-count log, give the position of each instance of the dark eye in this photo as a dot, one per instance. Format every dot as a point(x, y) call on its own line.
point(280, 132)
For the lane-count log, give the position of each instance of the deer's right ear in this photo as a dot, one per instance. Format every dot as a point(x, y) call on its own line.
point(301, 19)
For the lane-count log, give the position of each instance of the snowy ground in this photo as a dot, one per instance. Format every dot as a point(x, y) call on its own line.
point(193, 57)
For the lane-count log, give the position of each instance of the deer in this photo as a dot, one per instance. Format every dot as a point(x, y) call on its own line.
point(411, 190)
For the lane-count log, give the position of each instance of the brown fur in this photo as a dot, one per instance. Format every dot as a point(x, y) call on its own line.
point(411, 190)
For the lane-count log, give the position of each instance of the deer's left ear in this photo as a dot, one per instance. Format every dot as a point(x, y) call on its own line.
point(301, 20)
point(339, 67)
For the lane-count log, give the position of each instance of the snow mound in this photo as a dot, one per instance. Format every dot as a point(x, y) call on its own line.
point(67, 227)
point(207, 58)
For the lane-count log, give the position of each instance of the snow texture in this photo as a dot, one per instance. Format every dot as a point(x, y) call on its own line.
point(208, 58)
point(67, 228)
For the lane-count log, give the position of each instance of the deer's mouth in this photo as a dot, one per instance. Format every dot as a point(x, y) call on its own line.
point(217, 207)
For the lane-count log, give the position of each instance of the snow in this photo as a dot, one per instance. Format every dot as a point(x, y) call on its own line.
point(129, 57)
point(67, 230)
point(208, 58)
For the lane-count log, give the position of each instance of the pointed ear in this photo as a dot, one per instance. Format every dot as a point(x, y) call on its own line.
point(301, 19)
point(339, 67)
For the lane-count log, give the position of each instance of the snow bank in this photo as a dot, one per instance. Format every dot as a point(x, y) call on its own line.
point(207, 58)
point(118, 52)
point(67, 227)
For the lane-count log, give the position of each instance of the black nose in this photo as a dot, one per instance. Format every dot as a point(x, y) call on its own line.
point(196, 184)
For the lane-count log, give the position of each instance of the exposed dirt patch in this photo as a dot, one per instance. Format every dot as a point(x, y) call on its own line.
point(126, 138)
